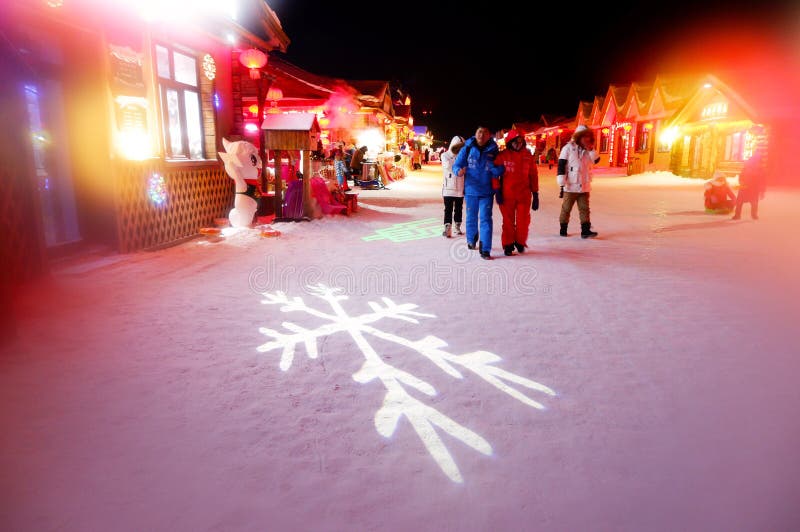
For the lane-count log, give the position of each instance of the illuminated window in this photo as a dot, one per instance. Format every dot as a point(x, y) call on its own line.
point(643, 142)
point(734, 147)
point(180, 103)
point(604, 140)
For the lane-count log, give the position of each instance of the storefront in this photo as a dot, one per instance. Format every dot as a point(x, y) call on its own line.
point(124, 108)
point(715, 130)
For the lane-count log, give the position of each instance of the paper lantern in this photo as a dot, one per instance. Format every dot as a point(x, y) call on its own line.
point(274, 94)
point(605, 131)
point(648, 126)
point(253, 59)
point(253, 109)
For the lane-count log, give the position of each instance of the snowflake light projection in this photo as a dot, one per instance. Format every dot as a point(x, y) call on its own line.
point(398, 402)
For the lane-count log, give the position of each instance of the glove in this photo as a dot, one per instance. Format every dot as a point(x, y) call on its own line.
point(535, 203)
point(498, 195)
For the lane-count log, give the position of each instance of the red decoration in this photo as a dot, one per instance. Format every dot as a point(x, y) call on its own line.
point(274, 94)
point(253, 59)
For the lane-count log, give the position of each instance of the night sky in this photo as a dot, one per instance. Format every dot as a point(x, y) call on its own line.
point(514, 60)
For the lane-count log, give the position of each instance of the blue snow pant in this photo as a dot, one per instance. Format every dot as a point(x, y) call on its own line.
point(480, 208)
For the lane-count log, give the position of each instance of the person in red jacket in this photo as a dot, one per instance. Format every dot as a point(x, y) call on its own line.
point(520, 191)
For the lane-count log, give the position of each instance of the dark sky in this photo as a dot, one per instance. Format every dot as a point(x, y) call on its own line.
point(513, 60)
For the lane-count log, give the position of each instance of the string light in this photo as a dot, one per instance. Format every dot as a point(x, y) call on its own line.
point(157, 189)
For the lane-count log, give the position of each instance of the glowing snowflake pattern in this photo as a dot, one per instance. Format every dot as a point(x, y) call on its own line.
point(398, 402)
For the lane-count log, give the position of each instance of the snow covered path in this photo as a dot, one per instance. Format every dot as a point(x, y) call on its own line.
point(664, 355)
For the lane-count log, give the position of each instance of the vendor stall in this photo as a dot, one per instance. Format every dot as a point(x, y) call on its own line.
point(292, 132)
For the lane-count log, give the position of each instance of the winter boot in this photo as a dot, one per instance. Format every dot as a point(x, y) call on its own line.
point(520, 247)
point(564, 230)
point(448, 231)
point(458, 229)
point(586, 231)
point(508, 250)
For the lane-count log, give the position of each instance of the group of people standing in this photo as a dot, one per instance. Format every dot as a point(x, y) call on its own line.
point(477, 172)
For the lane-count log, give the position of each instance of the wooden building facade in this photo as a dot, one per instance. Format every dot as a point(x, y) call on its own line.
point(121, 113)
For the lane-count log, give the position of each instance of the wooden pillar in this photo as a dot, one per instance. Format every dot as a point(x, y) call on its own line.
point(278, 184)
point(305, 158)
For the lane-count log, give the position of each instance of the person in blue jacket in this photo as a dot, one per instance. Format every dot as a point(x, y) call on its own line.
point(475, 162)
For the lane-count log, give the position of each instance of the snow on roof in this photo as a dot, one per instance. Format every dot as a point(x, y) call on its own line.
point(370, 89)
point(289, 122)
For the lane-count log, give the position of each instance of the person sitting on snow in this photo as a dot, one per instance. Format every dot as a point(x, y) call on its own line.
point(719, 198)
point(520, 190)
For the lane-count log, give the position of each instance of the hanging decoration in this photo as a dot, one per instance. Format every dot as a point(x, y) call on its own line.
point(253, 59)
point(274, 94)
point(209, 67)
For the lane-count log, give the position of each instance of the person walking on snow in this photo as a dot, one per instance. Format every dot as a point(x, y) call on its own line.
point(575, 179)
point(476, 164)
point(520, 191)
point(751, 186)
point(452, 189)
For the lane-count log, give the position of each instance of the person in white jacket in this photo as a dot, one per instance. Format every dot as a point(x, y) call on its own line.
point(452, 189)
point(575, 179)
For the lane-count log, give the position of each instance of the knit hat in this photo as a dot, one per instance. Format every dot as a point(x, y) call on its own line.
point(581, 131)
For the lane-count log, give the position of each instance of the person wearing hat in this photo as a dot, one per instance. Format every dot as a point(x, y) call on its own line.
point(357, 162)
point(575, 164)
point(718, 196)
point(520, 192)
point(452, 189)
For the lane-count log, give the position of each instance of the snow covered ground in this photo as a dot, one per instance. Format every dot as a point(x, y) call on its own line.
point(646, 380)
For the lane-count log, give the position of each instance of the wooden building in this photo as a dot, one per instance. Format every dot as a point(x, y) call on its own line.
point(122, 108)
point(716, 129)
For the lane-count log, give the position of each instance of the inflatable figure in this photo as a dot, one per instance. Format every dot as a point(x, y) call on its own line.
point(242, 163)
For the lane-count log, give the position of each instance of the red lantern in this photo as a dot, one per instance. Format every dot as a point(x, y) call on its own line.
point(253, 59)
point(274, 94)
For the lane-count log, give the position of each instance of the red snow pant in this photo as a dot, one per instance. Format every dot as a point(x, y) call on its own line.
point(516, 219)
